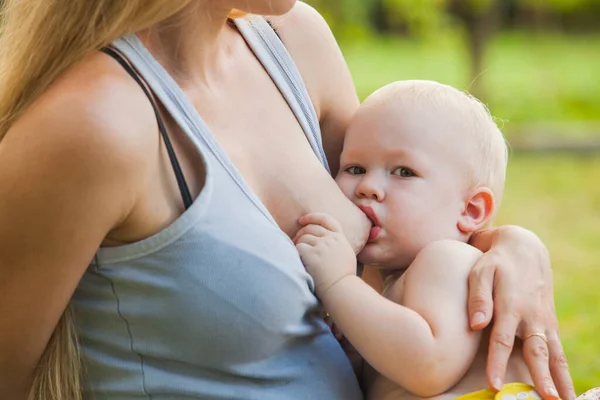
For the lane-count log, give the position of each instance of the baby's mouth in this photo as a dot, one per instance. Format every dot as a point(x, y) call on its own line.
point(374, 234)
point(376, 228)
point(370, 213)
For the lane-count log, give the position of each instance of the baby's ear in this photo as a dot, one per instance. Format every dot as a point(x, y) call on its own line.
point(479, 208)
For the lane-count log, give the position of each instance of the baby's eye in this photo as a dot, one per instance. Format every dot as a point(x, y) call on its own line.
point(404, 172)
point(354, 170)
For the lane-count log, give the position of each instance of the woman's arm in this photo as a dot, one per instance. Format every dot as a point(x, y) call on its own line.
point(68, 174)
point(513, 283)
point(317, 55)
point(323, 68)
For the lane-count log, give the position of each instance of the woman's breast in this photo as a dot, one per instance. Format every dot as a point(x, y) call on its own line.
point(290, 181)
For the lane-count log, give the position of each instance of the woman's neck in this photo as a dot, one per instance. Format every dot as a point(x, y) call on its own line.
point(192, 44)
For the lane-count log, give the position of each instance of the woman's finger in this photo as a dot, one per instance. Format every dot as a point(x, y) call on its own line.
point(501, 344)
point(559, 368)
point(481, 283)
point(315, 230)
point(537, 358)
point(323, 219)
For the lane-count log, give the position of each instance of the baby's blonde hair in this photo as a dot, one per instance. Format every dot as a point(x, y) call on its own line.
point(489, 161)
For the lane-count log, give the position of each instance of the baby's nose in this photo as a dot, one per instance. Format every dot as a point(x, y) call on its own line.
point(370, 188)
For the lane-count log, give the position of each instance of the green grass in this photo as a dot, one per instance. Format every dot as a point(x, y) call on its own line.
point(550, 83)
point(559, 199)
point(527, 79)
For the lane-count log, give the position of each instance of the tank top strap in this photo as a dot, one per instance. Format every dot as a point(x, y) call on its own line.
point(270, 51)
point(277, 61)
point(179, 176)
point(172, 97)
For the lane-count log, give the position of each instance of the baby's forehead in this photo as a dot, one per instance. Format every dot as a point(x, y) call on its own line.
point(406, 118)
point(436, 118)
point(412, 130)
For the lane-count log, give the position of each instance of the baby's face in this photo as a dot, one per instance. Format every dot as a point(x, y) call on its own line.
point(407, 172)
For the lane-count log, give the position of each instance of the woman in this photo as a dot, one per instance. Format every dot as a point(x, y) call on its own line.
point(170, 232)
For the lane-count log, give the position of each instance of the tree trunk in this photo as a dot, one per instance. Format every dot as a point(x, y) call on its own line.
point(479, 28)
point(477, 40)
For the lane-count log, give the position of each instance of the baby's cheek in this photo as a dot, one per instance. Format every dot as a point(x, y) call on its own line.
point(420, 226)
point(408, 211)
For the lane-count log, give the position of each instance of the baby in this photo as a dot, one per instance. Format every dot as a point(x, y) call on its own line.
point(427, 164)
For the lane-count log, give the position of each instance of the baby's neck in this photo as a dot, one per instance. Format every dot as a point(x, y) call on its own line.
point(391, 275)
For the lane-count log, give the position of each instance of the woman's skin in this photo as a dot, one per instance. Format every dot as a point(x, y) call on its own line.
point(85, 167)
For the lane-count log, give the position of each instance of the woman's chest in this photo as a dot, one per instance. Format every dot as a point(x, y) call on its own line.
point(277, 160)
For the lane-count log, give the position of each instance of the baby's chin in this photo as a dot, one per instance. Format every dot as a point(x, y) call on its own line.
point(373, 256)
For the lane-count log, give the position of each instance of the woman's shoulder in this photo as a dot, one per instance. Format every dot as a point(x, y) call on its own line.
point(314, 49)
point(90, 127)
point(94, 100)
point(319, 59)
point(94, 107)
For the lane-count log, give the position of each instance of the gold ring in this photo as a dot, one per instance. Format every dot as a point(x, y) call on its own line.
point(539, 334)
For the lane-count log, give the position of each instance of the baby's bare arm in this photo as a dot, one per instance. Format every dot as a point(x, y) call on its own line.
point(436, 287)
point(426, 345)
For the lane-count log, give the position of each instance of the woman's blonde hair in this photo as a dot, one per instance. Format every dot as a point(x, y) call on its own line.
point(39, 40)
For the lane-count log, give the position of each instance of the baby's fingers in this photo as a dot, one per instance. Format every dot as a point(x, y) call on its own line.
point(308, 253)
point(310, 240)
point(315, 230)
point(322, 219)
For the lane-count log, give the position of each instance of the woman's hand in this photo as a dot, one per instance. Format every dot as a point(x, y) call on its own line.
point(513, 283)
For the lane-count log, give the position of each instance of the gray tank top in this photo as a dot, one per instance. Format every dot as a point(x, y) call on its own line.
point(217, 305)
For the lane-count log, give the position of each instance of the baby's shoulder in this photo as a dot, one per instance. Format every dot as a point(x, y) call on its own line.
point(443, 263)
point(445, 258)
point(441, 266)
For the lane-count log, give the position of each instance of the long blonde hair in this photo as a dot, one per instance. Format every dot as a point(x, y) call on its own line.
point(39, 40)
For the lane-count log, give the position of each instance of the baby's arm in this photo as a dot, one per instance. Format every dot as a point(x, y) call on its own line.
point(436, 287)
point(426, 350)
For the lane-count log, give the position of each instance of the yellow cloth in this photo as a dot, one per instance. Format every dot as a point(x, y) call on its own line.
point(510, 391)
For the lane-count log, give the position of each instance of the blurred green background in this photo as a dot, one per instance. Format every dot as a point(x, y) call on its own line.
point(536, 64)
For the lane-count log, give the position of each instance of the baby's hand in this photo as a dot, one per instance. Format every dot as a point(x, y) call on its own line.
point(325, 251)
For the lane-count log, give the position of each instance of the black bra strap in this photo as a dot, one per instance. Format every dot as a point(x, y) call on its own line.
point(183, 187)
